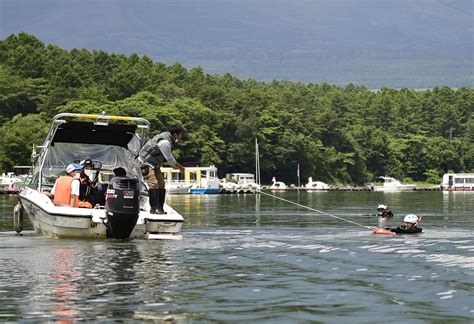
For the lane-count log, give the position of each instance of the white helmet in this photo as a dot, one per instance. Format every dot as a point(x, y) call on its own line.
point(382, 206)
point(410, 218)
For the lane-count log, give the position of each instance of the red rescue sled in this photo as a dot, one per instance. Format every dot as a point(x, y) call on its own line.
point(383, 231)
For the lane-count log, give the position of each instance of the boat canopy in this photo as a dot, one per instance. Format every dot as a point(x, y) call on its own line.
point(111, 140)
point(88, 133)
point(111, 157)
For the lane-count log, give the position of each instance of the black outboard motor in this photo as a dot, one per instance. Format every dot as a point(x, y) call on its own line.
point(122, 206)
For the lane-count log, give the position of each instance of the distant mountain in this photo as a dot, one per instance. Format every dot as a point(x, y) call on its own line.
point(376, 43)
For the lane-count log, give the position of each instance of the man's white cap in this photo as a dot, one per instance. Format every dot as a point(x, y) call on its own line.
point(71, 167)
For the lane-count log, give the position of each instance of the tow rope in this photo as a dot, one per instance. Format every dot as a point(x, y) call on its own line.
point(315, 210)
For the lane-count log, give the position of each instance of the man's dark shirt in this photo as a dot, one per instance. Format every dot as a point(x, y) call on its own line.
point(404, 230)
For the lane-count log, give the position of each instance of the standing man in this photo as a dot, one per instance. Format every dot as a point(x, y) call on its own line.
point(151, 157)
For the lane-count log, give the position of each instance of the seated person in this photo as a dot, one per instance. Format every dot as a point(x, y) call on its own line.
point(411, 221)
point(86, 191)
point(90, 170)
point(120, 172)
point(65, 191)
point(92, 192)
point(101, 189)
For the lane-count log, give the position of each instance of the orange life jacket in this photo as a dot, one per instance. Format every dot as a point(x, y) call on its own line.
point(62, 192)
point(84, 204)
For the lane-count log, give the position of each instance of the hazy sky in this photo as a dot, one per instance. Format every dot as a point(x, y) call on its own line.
point(417, 43)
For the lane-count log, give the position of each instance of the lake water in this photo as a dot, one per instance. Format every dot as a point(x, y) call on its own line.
point(257, 259)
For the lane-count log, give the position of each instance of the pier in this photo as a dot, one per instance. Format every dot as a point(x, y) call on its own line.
point(332, 189)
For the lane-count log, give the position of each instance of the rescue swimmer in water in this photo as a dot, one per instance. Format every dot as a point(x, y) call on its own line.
point(383, 213)
point(411, 222)
point(411, 225)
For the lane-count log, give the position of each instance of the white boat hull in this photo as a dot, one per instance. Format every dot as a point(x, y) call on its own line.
point(394, 189)
point(82, 223)
point(177, 189)
point(393, 185)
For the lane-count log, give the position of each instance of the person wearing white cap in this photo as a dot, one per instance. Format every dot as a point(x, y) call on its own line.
point(411, 225)
point(383, 213)
point(65, 191)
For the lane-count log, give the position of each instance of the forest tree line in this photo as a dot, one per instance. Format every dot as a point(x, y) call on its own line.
point(336, 134)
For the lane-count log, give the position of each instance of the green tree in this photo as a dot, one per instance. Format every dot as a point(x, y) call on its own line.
point(336, 134)
point(19, 95)
point(17, 137)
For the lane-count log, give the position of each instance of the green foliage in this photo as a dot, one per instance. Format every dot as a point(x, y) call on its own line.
point(433, 176)
point(343, 135)
point(17, 137)
point(18, 95)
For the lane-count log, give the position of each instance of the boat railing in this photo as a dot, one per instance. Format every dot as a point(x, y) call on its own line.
point(102, 119)
point(98, 119)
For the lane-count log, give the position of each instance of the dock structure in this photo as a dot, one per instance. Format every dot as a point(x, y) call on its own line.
point(428, 189)
point(332, 189)
point(355, 188)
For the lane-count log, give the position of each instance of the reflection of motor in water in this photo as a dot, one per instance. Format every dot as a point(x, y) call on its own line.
point(65, 287)
point(120, 282)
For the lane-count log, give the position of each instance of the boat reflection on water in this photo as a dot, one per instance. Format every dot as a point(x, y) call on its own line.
point(199, 207)
point(64, 278)
point(108, 277)
point(454, 201)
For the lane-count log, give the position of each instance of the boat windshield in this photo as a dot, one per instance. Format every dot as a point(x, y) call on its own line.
point(60, 155)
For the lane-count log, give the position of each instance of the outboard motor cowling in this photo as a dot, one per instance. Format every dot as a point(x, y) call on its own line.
point(122, 206)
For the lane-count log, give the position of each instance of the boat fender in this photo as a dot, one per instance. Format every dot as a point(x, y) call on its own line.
point(383, 231)
point(18, 218)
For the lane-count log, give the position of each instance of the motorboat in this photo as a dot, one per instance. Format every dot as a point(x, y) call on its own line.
point(392, 184)
point(174, 182)
point(278, 185)
point(8, 181)
point(11, 189)
point(316, 185)
point(114, 141)
point(177, 187)
point(206, 180)
point(194, 180)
